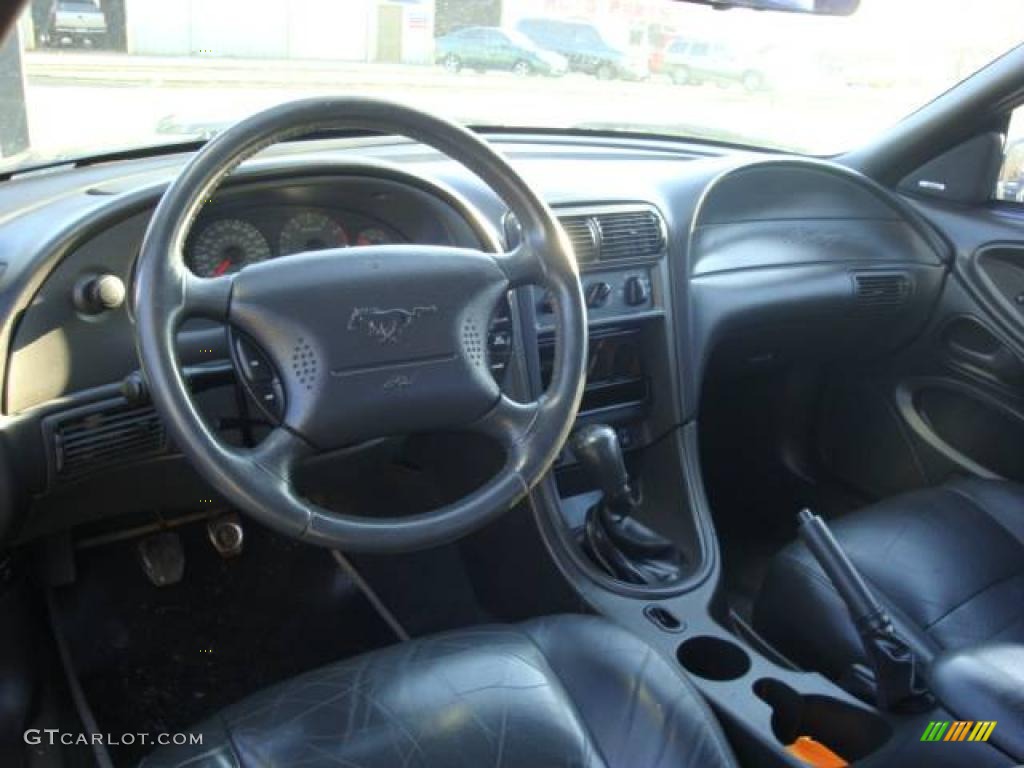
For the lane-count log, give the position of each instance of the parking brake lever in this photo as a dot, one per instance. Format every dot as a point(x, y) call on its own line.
point(897, 683)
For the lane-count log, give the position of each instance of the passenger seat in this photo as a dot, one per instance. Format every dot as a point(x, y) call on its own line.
point(947, 563)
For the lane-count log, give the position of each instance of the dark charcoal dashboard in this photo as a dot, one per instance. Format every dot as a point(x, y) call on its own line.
point(686, 257)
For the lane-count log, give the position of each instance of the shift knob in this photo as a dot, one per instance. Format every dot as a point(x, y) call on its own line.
point(597, 448)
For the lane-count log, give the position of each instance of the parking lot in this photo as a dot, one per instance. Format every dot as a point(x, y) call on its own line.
point(117, 99)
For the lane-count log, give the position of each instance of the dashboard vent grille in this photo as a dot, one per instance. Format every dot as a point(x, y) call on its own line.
point(630, 235)
point(881, 290)
point(619, 233)
point(96, 440)
point(581, 235)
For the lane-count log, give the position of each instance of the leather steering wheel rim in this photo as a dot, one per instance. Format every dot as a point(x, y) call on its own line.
point(448, 292)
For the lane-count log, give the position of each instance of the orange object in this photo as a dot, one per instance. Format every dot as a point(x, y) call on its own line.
point(815, 753)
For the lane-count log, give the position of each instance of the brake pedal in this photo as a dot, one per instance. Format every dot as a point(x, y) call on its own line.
point(162, 558)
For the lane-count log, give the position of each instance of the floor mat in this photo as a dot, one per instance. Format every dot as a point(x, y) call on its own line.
point(157, 660)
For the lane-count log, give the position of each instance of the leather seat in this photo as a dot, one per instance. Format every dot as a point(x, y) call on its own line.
point(562, 691)
point(947, 562)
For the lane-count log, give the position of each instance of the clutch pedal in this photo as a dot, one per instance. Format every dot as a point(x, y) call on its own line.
point(162, 558)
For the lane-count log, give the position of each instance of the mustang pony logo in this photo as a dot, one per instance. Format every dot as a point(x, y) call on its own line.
point(385, 325)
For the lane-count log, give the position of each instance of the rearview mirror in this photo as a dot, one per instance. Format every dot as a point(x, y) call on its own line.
point(820, 7)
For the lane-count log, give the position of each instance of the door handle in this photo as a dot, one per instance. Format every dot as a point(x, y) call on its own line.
point(1001, 362)
point(970, 342)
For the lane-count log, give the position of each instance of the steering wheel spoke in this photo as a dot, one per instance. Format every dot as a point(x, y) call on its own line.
point(207, 297)
point(510, 423)
point(280, 452)
point(521, 265)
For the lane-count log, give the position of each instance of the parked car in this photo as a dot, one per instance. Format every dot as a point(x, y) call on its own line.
point(485, 48)
point(585, 48)
point(75, 22)
point(693, 62)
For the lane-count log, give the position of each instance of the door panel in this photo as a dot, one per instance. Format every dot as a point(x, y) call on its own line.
point(389, 33)
point(972, 431)
point(975, 419)
point(952, 402)
point(999, 270)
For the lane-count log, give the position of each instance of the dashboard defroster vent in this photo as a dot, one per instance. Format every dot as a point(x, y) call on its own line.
point(95, 438)
point(881, 290)
point(629, 235)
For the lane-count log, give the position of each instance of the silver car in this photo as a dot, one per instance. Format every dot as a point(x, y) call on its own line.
point(691, 62)
point(76, 22)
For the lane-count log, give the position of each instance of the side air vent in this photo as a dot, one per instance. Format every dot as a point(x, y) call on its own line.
point(878, 290)
point(629, 235)
point(582, 234)
point(94, 439)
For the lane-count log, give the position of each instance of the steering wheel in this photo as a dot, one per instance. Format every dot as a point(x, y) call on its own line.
point(367, 341)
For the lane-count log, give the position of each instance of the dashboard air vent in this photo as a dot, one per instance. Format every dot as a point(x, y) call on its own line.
point(91, 441)
point(876, 290)
point(609, 233)
point(581, 234)
point(630, 235)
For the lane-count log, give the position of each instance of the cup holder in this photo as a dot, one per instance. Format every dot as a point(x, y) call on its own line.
point(713, 658)
point(849, 731)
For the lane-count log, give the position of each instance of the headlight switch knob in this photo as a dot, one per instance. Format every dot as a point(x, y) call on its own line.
point(94, 294)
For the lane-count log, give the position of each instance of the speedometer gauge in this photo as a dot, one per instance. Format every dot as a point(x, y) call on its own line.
point(227, 246)
point(311, 231)
point(373, 236)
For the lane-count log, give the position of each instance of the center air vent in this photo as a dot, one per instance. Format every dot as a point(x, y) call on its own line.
point(99, 437)
point(583, 235)
point(881, 290)
point(629, 235)
point(607, 233)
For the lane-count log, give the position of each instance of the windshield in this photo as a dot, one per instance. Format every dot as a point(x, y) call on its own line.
point(85, 77)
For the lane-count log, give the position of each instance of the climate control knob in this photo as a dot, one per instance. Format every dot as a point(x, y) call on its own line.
point(636, 291)
point(597, 294)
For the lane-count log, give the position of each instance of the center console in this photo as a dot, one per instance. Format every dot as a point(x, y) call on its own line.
point(646, 538)
point(621, 250)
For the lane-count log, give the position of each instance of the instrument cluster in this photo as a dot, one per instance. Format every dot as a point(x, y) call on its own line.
point(228, 243)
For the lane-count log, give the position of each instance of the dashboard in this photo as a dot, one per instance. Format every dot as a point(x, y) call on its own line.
point(684, 255)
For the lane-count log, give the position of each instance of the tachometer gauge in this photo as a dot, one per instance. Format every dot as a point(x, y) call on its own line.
point(311, 231)
point(227, 246)
point(373, 236)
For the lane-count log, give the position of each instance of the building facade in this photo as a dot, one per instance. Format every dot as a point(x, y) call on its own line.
point(352, 30)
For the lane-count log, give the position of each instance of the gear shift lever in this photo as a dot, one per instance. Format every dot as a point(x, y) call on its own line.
point(612, 536)
point(597, 449)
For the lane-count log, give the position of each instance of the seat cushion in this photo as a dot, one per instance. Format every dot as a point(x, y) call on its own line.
point(561, 691)
point(985, 685)
point(947, 562)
